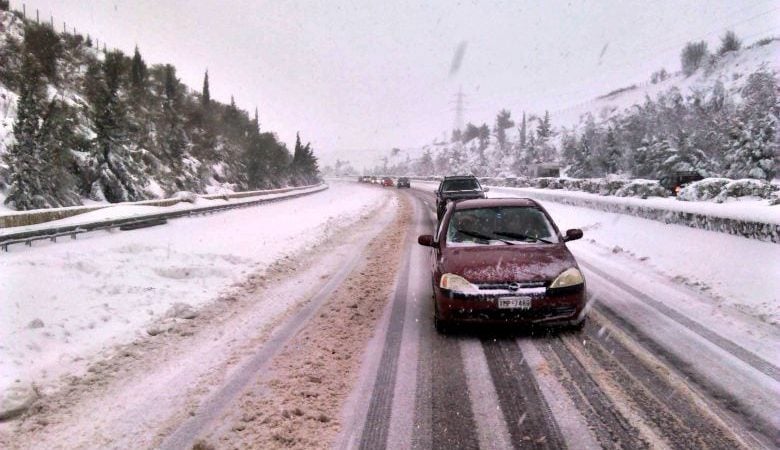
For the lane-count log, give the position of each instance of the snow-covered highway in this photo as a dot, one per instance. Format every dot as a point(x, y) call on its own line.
point(326, 340)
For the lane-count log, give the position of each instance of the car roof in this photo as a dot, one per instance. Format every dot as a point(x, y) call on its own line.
point(460, 177)
point(494, 202)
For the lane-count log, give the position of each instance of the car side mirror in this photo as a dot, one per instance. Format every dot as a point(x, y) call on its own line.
point(572, 235)
point(426, 240)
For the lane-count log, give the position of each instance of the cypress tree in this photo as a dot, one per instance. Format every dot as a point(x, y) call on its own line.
point(205, 99)
point(138, 71)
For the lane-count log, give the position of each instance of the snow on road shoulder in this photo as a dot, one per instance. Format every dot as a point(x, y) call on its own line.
point(734, 271)
point(130, 210)
point(65, 303)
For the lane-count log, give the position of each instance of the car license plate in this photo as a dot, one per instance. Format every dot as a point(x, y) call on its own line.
point(514, 303)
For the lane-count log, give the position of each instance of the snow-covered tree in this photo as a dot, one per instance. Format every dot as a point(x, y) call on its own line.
point(693, 56)
point(503, 122)
point(24, 156)
point(754, 136)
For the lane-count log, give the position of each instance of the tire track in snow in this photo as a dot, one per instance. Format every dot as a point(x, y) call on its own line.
point(528, 417)
point(377, 423)
point(674, 413)
point(610, 427)
point(739, 352)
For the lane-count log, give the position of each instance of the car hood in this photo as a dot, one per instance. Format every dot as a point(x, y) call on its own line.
point(506, 264)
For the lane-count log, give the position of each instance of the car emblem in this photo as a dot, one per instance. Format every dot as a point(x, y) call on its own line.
point(514, 286)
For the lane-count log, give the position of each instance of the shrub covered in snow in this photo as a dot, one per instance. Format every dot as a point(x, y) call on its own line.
point(642, 189)
point(706, 189)
point(548, 183)
point(746, 188)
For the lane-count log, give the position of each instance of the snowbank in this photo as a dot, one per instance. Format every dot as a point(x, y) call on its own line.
point(752, 217)
point(65, 303)
point(748, 218)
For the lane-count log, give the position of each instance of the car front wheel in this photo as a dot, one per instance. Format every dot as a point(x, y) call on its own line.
point(441, 326)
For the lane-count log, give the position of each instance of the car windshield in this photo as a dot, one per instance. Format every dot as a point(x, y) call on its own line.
point(460, 185)
point(499, 226)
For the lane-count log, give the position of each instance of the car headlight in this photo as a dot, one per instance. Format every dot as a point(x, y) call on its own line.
point(457, 283)
point(569, 277)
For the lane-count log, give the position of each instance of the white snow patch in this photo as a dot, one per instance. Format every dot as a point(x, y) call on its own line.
point(104, 288)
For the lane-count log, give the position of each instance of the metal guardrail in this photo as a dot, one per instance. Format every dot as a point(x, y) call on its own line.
point(28, 237)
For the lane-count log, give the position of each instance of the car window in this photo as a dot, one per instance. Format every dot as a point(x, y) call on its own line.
point(459, 185)
point(513, 224)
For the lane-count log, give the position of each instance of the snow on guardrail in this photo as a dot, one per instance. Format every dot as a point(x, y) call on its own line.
point(33, 217)
point(125, 215)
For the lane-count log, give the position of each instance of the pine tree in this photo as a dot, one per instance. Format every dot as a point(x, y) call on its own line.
point(46, 46)
point(544, 130)
point(24, 156)
point(729, 43)
point(117, 180)
point(754, 136)
point(612, 153)
point(693, 56)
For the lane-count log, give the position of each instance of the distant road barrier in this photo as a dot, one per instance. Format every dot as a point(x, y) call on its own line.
point(52, 233)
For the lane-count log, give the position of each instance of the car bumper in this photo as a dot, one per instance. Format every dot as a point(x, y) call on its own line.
point(565, 307)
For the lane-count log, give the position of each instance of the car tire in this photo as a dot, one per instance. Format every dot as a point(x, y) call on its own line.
point(441, 326)
point(578, 325)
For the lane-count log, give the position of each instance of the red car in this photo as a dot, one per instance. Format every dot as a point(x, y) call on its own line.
point(387, 182)
point(504, 261)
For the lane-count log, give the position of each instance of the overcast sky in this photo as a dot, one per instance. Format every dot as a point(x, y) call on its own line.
point(372, 75)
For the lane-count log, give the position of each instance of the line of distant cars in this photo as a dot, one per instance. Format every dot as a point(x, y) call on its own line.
point(400, 182)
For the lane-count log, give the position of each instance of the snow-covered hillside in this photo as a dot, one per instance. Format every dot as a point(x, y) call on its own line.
point(731, 69)
point(79, 122)
point(721, 120)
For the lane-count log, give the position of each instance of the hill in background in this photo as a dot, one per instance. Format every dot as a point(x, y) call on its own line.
point(79, 122)
point(719, 116)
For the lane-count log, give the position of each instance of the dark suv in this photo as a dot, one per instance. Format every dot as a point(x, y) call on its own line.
point(679, 179)
point(403, 182)
point(457, 188)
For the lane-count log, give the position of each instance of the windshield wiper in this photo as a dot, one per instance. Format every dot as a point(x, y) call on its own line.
point(484, 237)
point(524, 237)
